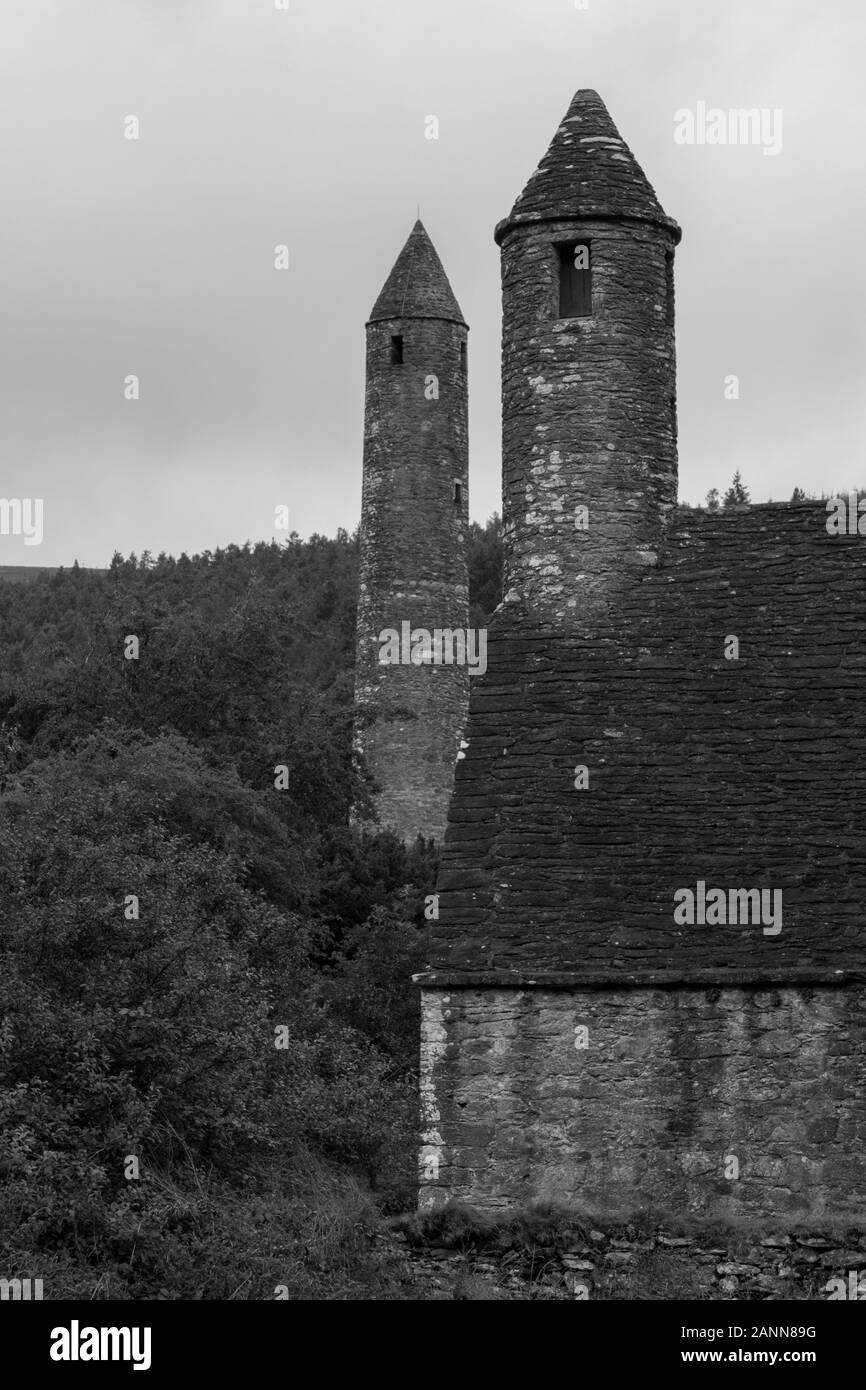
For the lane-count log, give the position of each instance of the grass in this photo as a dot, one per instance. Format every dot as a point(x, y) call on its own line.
point(315, 1232)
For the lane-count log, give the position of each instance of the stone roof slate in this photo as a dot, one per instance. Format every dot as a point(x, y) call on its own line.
point(743, 774)
point(588, 172)
point(417, 287)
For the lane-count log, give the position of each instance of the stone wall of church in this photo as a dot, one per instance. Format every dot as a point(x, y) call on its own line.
point(721, 1101)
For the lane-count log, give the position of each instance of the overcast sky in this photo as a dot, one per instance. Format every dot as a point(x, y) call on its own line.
point(260, 126)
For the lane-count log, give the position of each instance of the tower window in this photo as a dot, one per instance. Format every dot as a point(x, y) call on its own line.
point(397, 350)
point(669, 287)
point(463, 356)
point(458, 491)
point(575, 280)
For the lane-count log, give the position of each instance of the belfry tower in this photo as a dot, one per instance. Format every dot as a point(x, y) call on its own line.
point(588, 374)
point(413, 567)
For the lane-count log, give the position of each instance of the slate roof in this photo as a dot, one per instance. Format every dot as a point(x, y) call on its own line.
point(417, 287)
point(748, 773)
point(588, 172)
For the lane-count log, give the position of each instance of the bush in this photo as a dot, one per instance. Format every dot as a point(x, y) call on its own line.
point(148, 1031)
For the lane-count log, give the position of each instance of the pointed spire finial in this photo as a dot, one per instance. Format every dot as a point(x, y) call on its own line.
point(417, 287)
point(588, 171)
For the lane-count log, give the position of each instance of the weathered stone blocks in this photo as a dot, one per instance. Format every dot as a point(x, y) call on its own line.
point(414, 515)
point(672, 1086)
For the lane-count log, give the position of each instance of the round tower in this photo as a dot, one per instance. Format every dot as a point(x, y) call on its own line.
point(588, 373)
point(411, 700)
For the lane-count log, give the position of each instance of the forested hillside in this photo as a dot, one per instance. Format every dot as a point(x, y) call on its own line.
point(209, 1036)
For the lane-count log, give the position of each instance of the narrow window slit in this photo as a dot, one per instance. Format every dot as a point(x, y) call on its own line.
point(575, 280)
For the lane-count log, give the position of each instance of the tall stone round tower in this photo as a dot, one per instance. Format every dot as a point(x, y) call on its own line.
point(413, 568)
point(588, 373)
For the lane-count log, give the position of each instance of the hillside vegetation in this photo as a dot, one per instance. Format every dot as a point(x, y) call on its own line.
point(208, 1044)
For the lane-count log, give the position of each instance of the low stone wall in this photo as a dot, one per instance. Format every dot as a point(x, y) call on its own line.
point(543, 1259)
point(728, 1102)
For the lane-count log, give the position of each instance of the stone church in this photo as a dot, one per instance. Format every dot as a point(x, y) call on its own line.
point(645, 985)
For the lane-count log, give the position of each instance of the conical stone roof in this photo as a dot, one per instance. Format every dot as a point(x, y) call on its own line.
point(417, 287)
point(588, 171)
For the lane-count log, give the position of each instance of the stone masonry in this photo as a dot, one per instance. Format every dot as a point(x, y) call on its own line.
point(414, 514)
point(589, 413)
point(650, 1104)
point(673, 700)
